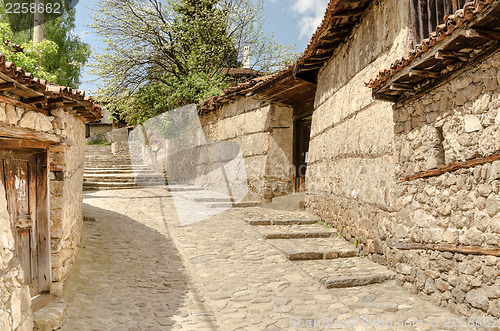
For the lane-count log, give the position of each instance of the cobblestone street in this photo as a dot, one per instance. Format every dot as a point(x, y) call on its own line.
point(137, 269)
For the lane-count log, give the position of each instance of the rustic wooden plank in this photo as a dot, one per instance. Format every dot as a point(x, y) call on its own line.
point(28, 134)
point(473, 250)
point(51, 101)
point(40, 301)
point(453, 167)
point(423, 16)
point(386, 97)
point(432, 14)
point(414, 18)
point(2, 174)
point(43, 223)
point(402, 87)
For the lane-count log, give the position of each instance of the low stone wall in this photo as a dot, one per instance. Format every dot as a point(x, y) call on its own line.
point(15, 299)
point(264, 134)
point(457, 122)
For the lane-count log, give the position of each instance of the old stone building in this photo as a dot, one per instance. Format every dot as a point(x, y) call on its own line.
point(42, 136)
point(390, 121)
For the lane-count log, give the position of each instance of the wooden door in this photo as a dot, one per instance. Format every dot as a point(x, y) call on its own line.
point(22, 174)
point(302, 136)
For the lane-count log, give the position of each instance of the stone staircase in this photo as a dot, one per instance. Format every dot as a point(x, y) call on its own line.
point(319, 250)
point(106, 171)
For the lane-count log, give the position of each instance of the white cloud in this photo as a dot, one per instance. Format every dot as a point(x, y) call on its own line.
point(311, 13)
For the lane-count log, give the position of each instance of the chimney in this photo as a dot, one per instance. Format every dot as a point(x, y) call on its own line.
point(247, 64)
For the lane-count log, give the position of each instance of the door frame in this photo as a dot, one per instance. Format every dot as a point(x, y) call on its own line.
point(299, 160)
point(39, 151)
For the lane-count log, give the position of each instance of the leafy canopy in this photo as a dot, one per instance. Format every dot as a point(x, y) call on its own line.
point(160, 55)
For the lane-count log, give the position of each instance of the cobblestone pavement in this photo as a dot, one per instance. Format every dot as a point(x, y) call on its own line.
point(138, 269)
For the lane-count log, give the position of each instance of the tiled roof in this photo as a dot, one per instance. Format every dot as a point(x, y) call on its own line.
point(340, 18)
point(443, 31)
point(27, 86)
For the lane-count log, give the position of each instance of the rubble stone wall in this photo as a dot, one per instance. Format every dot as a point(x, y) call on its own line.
point(264, 133)
point(65, 183)
point(456, 122)
point(350, 177)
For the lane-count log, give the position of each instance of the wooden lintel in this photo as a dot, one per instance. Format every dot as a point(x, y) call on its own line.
point(9, 131)
point(386, 97)
point(14, 143)
point(322, 57)
point(79, 108)
point(474, 250)
point(349, 13)
point(71, 104)
point(481, 33)
point(7, 86)
point(450, 55)
point(34, 100)
point(424, 73)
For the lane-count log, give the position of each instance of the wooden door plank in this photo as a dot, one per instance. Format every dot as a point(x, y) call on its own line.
point(43, 223)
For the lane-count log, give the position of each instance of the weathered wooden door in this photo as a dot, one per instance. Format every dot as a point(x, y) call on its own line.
point(302, 135)
point(23, 173)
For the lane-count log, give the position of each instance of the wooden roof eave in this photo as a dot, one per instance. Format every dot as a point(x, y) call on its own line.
point(396, 88)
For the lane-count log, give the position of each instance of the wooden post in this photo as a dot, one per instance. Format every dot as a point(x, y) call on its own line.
point(38, 22)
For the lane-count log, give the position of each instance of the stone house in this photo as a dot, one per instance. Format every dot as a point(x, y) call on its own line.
point(42, 137)
point(390, 121)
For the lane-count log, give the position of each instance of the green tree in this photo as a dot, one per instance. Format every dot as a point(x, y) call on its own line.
point(32, 55)
point(66, 63)
point(162, 55)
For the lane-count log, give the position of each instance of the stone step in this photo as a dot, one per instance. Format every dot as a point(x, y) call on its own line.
point(282, 222)
point(183, 188)
point(52, 316)
point(289, 202)
point(122, 177)
point(314, 248)
point(118, 185)
point(296, 231)
point(205, 199)
point(349, 272)
point(118, 168)
point(246, 204)
point(100, 171)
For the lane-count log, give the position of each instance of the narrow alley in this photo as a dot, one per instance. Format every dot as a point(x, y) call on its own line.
point(138, 269)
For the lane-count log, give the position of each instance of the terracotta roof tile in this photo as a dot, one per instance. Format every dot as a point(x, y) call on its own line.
point(19, 75)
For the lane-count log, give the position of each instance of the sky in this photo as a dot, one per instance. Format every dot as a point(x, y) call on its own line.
point(292, 21)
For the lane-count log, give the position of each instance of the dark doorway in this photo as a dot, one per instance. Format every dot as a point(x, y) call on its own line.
point(23, 172)
point(302, 135)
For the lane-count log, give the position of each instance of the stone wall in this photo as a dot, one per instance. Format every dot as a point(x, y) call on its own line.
point(456, 122)
point(264, 134)
point(66, 197)
point(15, 299)
point(65, 182)
point(350, 176)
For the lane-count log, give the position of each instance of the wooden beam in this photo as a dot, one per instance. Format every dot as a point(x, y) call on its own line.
point(424, 73)
point(473, 250)
point(9, 131)
point(452, 167)
point(451, 55)
point(11, 143)
point(481, 33)
point(8, 86)
point(34, 100)
point(327, 46)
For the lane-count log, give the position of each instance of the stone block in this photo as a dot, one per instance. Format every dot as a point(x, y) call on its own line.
point(478, 298)
point(472, 123)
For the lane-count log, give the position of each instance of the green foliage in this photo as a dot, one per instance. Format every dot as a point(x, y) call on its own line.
point(167, 54)
point(61, 56)
point(32, 56)
point(99, 143)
